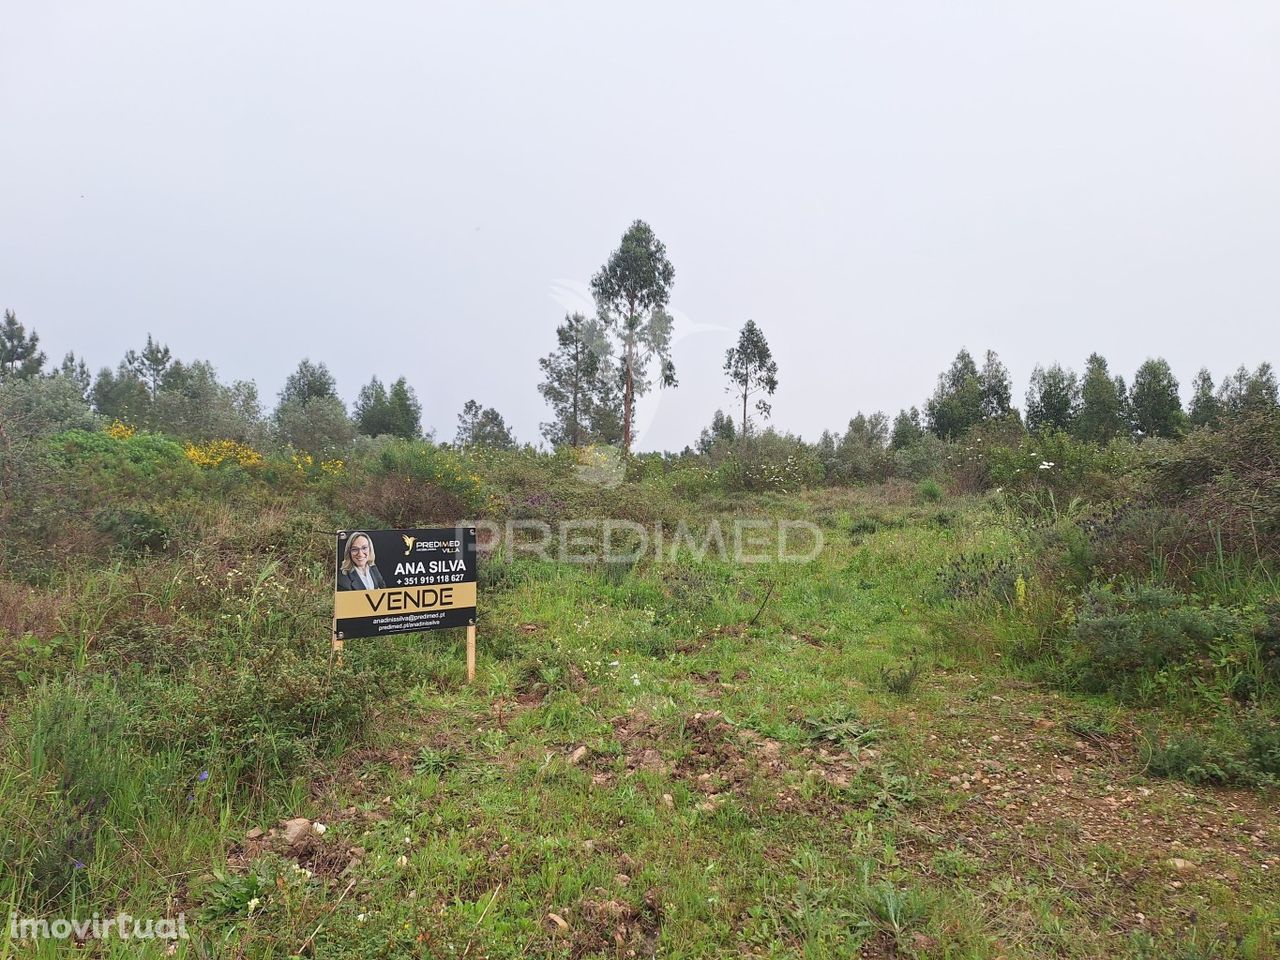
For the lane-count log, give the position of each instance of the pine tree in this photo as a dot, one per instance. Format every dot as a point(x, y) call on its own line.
point(483, 427)
point(20, 354)
point(577, 384)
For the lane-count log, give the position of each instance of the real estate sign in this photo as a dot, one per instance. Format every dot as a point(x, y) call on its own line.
point(404, 581)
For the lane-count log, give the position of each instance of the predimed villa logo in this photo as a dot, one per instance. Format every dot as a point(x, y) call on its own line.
point(122, 926)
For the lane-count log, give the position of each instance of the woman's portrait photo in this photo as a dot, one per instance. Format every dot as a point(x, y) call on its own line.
point(358, 571)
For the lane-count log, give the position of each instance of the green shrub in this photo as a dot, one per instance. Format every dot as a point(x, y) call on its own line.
point(930, 491)
point(133, 531)
point(1262, 745)
point(1121, 637)
point(1189, 757)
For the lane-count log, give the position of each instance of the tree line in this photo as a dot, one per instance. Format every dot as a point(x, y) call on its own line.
point(599, 367)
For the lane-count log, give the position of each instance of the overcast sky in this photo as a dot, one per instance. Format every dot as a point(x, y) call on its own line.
point(420, 189)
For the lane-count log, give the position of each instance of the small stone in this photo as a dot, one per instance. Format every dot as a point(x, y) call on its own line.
point(1178, 865)
point(296, 830)
point(255, 834)
point(576, 757)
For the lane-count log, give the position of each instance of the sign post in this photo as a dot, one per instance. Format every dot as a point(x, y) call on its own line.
point(405, 581)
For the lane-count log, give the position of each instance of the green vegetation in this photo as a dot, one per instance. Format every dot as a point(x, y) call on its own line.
point(1025, 701)
point(1019, 722)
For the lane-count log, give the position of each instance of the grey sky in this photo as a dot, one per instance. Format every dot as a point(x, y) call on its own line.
point(404, 188)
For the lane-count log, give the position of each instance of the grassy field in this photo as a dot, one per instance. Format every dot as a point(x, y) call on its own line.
point(688, 758)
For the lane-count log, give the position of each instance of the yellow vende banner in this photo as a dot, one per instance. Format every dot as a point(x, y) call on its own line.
point(353, 604)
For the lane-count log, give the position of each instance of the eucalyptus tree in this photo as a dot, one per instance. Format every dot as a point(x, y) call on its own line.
point(631, 292)
point(751, 370)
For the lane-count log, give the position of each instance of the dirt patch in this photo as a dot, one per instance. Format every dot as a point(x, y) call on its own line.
point(1023, 790)
point(605, 926)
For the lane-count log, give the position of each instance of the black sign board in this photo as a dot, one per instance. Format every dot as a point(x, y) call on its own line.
point(404, 581)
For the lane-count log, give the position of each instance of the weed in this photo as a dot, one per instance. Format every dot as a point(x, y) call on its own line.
point(901, 680)
point(842, 726)
point(432, 761)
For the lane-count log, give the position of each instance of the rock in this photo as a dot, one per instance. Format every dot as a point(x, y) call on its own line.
point(576, 757)
point(1178, 865)
point(255, 834)
point(296, 830)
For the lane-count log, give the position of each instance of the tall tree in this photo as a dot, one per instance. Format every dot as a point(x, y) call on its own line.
point(1154, 401)
point(632, 291)
point(577, 383)
point(122, 395)
point(721, 432)
point(958, 401)
point(1205, 409)
point(150, 365)
point(483, 427)
point(1245, 392)
point(309, 382)
point(405, 411)
point(371, 413)
point(77, 371)
point(20, 354)
point(996, 387)
point(1053, 398)
point(907, 429)
point(392, 412)
point(310, 415)
point(1103, 403)
point(751, 370)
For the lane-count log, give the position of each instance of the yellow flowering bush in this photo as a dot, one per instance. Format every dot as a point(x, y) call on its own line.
point(119, 430)
point(214, 453)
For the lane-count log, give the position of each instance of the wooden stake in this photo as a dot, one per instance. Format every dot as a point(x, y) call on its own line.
point(471, 653)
